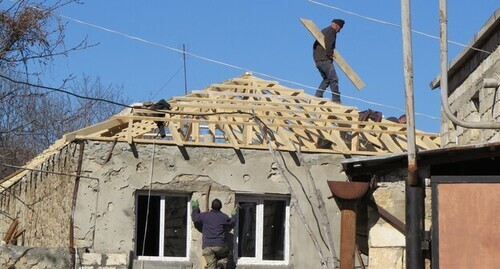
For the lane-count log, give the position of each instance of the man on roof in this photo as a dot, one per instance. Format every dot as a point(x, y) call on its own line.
point(323, 59)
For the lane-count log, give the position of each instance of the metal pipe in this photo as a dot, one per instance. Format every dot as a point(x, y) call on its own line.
point(415, 258)
point(413, 198)
point(443, 20)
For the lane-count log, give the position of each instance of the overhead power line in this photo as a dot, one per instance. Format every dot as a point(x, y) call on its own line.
point(394, 25)
point(223, 63)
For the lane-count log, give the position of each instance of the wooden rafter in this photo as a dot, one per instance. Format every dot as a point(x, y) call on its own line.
point(226, 111)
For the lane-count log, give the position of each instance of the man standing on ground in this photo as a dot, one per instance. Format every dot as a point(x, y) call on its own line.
point(214, 226)
point(323, 59)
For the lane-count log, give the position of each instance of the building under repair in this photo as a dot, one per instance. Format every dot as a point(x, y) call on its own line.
point(117, 194)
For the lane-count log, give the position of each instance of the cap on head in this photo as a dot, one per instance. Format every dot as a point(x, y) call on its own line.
point(216, 204)
point(339, 22)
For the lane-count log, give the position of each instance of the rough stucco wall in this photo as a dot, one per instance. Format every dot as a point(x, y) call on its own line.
point(42, 202)
point(105, 213)
point(460, 102)
point(105, 219)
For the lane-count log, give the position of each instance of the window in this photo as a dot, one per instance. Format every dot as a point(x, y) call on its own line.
point(262, 230)
point(162, 227)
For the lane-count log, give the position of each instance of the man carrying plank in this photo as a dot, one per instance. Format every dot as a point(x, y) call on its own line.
point(323, 58)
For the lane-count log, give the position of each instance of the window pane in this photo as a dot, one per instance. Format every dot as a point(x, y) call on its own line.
point(274, 230)
point(152, 230)
point(246, 229)
point(175, 227)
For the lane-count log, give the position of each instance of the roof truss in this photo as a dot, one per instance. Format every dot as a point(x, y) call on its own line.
point(225, 114)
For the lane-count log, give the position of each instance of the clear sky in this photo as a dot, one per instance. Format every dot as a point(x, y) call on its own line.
point(266, 37)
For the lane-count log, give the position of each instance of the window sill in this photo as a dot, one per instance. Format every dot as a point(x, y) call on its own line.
point(152, 264)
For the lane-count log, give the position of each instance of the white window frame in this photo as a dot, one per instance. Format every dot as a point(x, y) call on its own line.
point(257, 260)
point(162, 229)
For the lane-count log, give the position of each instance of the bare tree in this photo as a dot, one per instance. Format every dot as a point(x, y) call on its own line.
point(32, 115)
point(31, 34)
point(32, 119)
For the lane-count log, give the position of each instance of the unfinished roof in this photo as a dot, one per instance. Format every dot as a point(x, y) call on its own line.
point(227, 115)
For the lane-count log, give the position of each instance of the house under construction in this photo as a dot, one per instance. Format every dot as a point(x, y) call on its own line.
point(116, 194)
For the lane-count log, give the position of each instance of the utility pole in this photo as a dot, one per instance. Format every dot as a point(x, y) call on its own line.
point(185, 73)
point(414, 189)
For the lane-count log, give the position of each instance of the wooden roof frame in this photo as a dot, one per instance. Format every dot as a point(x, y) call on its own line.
point(225, 114)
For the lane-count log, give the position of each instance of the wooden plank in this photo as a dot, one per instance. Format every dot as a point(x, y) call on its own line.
point(230, 136)
point(342, 63)
point(316, 33)
point(195, 134)
point(100, 127)
point(300, 102)
point(175, 134)
point(129, 136)
point(390, 144)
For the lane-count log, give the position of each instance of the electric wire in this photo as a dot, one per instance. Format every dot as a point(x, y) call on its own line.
point(45, 171)
point(149, 196)
point(166, 83)
point(395, 25)
point(220, 62)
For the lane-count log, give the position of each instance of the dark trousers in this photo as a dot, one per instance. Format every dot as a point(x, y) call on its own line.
point(330, 78)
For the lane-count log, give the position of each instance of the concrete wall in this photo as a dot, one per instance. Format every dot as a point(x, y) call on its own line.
point(105, 213)
point(485, 106)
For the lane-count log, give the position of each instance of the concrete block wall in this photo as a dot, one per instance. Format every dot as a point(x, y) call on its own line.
point(461, 104)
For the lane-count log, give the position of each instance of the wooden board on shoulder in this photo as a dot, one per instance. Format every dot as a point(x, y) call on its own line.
point(316, 33)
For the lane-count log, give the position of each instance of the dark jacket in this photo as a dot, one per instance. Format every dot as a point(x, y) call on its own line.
point(319, 53)
point(214, 228)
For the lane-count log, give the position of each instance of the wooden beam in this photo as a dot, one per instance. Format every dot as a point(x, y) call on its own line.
point(175, 134)
point(230, 136)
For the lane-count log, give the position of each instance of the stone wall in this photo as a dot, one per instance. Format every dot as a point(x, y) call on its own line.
point(58, 258)
point(472, 102)
point(387, 246)
point(42, 202)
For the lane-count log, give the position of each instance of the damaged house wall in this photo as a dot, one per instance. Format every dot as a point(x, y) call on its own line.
point(106, 215)
point(42, 202)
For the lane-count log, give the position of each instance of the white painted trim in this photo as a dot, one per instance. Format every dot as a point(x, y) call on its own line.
point(259, 232)
point(161, 250)
point(259, 227)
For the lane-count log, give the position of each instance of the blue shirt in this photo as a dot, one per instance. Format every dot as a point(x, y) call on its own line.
point(214, 227)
